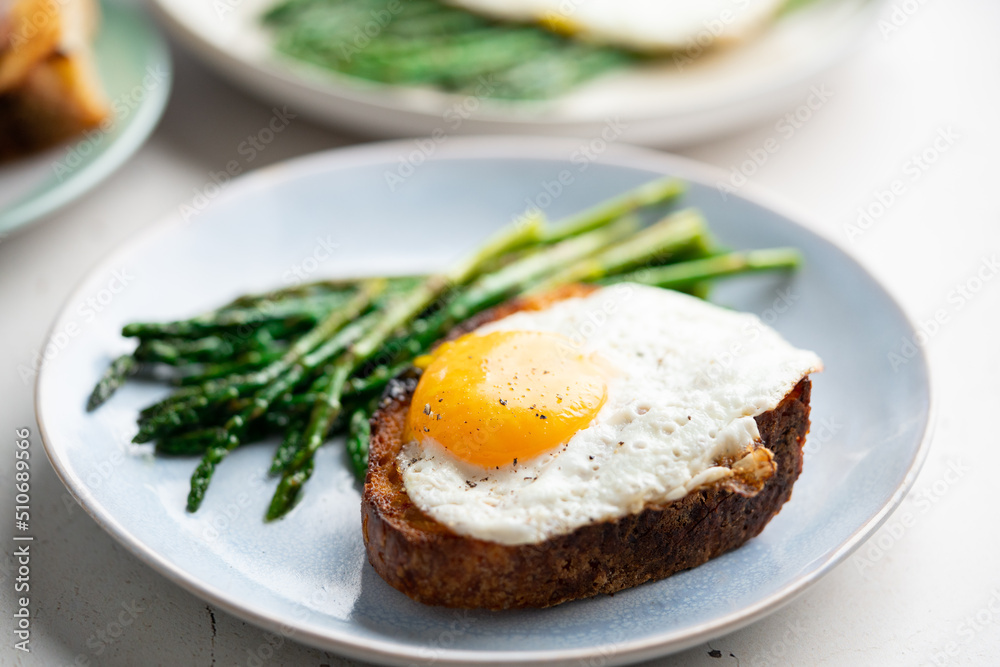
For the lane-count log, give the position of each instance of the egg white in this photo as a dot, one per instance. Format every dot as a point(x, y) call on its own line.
point(690, 377)
point(648, 25)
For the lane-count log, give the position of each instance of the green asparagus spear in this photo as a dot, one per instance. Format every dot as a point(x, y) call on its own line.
point(288, 491)
point(674, 233)
point(310, 308)
point(648, 194)
point(112, 379)
point(686, 274)
point(188, 444)
point(286, 450)
point(162, 425)
point(358, 435)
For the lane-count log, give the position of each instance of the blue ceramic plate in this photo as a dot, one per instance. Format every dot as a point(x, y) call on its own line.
point(135, 68)
point(344, 213)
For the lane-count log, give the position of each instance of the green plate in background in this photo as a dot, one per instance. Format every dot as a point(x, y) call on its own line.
point(135, 68)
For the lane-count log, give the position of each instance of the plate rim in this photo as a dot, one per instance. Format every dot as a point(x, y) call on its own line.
point(489, 148)
point(137, 131)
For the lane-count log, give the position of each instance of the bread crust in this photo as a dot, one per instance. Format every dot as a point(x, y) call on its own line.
point(431, 564)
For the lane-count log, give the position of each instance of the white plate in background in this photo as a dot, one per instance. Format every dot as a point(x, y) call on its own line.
point(660, 105)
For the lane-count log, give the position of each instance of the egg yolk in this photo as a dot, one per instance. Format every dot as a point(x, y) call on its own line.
point(506, 395)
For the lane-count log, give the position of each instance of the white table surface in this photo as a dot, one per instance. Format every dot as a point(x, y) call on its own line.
point(923, 597)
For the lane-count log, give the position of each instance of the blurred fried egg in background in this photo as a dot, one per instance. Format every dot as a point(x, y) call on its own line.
point(643, 25)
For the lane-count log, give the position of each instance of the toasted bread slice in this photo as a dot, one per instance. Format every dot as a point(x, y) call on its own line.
point(49, 87)
point(430, 563)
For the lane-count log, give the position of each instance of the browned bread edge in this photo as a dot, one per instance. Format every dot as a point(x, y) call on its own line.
point(431, 564)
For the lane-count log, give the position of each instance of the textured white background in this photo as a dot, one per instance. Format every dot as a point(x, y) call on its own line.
point(904, 605)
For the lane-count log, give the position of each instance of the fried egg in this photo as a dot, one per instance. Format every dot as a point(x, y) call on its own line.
point(646, 25)
point(591, 409)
